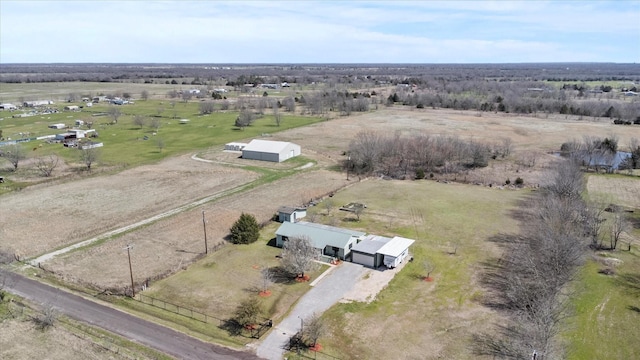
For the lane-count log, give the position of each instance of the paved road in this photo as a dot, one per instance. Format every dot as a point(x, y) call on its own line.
point(317, 300)
point(144, 332)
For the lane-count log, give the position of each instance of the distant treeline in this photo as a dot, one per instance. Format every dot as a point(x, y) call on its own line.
point(326, 73)
point(524, 97)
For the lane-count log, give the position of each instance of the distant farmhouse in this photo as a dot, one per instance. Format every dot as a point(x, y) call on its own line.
point(8, 107)
point(266, 150)
point(37, 103)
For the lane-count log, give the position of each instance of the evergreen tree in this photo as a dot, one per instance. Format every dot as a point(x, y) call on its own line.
point(245, 230)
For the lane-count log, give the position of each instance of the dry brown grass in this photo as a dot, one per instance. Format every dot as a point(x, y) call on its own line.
point(619, 190)
point(44, 217)
point(21, 339)
point(168, 245)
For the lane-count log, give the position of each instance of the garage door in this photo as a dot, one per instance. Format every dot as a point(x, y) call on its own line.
point(363, 259)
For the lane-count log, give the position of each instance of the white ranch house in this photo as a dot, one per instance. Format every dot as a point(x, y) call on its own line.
point(329, 240)
point(369, 250)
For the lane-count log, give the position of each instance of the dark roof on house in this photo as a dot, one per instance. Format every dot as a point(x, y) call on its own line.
point(371, 244)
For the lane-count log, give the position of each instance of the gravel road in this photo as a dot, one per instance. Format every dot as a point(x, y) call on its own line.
point(171, 342)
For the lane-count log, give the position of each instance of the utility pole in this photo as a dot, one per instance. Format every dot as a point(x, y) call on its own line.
point(204, 224)
point(133, 290)
point(301, 333)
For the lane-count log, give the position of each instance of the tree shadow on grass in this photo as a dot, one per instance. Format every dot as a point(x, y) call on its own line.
point(630, 283)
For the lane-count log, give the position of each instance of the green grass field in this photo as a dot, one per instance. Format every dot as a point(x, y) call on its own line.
point(216, 284)
point(124, 142)
point(607, 307)
point(423, 319)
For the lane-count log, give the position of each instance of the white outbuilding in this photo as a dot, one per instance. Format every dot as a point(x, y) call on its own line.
point(267, 150)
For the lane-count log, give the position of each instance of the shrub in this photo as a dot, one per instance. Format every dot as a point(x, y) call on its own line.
point(420, 174)
point(519, 181)
point(245, 230)
point(507, 182)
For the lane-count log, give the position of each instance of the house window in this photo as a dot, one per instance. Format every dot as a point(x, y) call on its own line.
point(350, 246)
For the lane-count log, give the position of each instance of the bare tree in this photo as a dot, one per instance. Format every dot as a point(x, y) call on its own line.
point(139, 120)
point(159, 111)
point(14, 153)
point(289, 104)
point(358, 210)
point(206, 107)
point(298, 255)
point(89, 155)
point(248, 311)
point(144, 95)
point(186, 96)
point(428, 267)
point(155, 124)
point(115, 113)
point(276, 113)
point(314, 328)
point(46, 164)
point(224, 105)
point(328, 205)
point(161, 145)
point(47, 318)
point(266, 279)
point(618, 226)
point(244, 119)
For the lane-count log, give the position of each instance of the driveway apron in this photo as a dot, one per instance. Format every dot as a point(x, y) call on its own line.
point(321, 297)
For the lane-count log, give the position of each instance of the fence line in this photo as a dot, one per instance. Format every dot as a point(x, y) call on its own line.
point(178, 309)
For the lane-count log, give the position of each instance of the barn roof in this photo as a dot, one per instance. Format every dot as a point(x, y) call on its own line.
point(396, 246)
point(266, 146)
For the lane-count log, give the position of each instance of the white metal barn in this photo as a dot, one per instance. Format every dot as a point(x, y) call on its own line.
point(266, 150)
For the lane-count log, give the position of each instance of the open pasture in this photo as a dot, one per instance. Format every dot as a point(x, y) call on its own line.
point(168, 245)
point(42, 218)
point(128, 144)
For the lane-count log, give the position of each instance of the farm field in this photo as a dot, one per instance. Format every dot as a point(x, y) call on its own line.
point(169, 245)
point(68, 212)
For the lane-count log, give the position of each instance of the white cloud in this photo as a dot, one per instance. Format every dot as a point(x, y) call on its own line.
point(331, 31)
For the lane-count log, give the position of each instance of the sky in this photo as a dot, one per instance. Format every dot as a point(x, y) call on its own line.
point(289, 32)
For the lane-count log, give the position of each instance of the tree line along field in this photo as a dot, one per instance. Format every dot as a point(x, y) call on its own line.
point(448, 307)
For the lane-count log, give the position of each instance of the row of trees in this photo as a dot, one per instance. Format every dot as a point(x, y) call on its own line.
point(518, 100)
point(46, 164)
point(235, 74)
point(399, 156)
point(530, 282)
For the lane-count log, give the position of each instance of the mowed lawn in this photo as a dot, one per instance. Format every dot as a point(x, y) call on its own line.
point(412, 318)
point(216, 284)
point(606, 324)
point(606, 321)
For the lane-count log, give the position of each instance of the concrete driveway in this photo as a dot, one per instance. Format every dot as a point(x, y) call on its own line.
point(331, 288)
